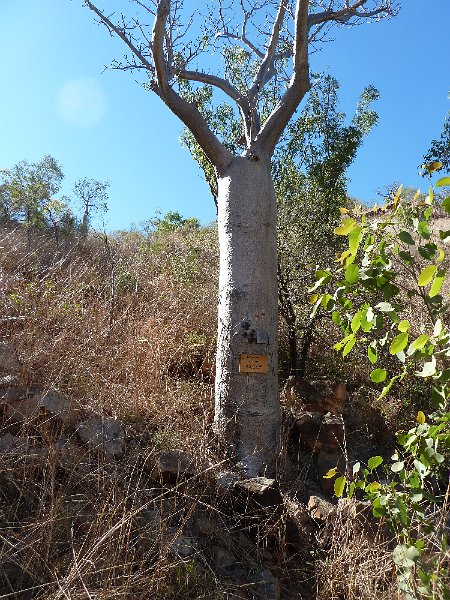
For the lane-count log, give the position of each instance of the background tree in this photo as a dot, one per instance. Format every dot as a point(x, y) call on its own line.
point(92, 197)
point(247, 416)
point(29, 188)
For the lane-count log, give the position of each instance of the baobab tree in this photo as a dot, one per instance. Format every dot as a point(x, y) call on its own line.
point(167, 40)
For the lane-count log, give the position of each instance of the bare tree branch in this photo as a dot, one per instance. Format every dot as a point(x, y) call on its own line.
point(187, 112)
point(267, 64)
point(274, 126)
point(120, 33)
point(213, 80)
point(269, 29)
point(350, 11)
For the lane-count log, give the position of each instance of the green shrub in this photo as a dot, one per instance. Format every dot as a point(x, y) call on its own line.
point(389, 295)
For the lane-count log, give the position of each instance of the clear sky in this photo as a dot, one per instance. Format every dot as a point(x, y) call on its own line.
point(55, 99)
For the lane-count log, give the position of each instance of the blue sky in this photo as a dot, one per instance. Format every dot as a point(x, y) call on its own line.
point(57, 100)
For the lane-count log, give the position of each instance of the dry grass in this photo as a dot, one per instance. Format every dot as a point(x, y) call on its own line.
point(125, 327)
point(358, 562)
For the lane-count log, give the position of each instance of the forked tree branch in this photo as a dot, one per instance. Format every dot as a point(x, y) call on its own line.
point(187, 112)
point(160, 63)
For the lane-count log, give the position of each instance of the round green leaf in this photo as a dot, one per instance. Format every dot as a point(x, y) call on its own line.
point(426, 275)
point(404, 326)
point(352, 273)
point(372, 353)
point(446, 205)
point(443, 181)
point(378, 375)
point(406, 237)
point(399, 343)
point(374, 462)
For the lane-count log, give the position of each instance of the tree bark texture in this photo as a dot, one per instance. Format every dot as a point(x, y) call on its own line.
point(247, 415)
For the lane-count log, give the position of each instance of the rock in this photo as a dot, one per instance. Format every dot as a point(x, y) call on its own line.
point(20, 412)
point(50, 410)
point(9, 381)
point(259, 492)
point(265, 585)
point(315, 396)
point(307, 430)
point(106, 434)
point(222, 557)
point(8, 358)
point(54, 413)
point(316, 431)
point(225, 482)
point(299, 527)
point(183, 546)
point(319, 508)
point(55, 404)
point(13, 444)
point(171, 465)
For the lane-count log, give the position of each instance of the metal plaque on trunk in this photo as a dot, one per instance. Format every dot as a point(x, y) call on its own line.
point(254, 363)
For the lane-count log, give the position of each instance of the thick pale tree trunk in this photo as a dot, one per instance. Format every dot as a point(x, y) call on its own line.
point(247, 416)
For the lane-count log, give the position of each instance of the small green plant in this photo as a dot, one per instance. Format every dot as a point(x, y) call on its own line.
point(389, 295)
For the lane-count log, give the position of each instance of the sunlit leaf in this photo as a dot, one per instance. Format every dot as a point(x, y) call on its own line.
point(356, 322)
point(404, 326)
point(378, 375)
point(397, 466)
point(399, 343)
point(352, 273)
point(420, 342)
point(420, 417)
point(372, 487)
point(433, 166)
point(426, 275)
point(443, 181)
point(428, 369)
point(437, 283)
point(446, 205)
point(354, 239)
point(348, 347)
point(339, 486)
point(374, 462)
point(346, 227)
point(372, 353)
point(437, 328)
point(330, 474)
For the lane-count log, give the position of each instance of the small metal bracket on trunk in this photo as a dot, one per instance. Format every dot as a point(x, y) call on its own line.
point(262, 337)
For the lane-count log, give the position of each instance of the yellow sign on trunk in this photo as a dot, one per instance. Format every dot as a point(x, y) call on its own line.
point(254, 363)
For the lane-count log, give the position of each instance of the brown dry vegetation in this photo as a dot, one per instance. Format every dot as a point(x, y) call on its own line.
point(124, 326)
